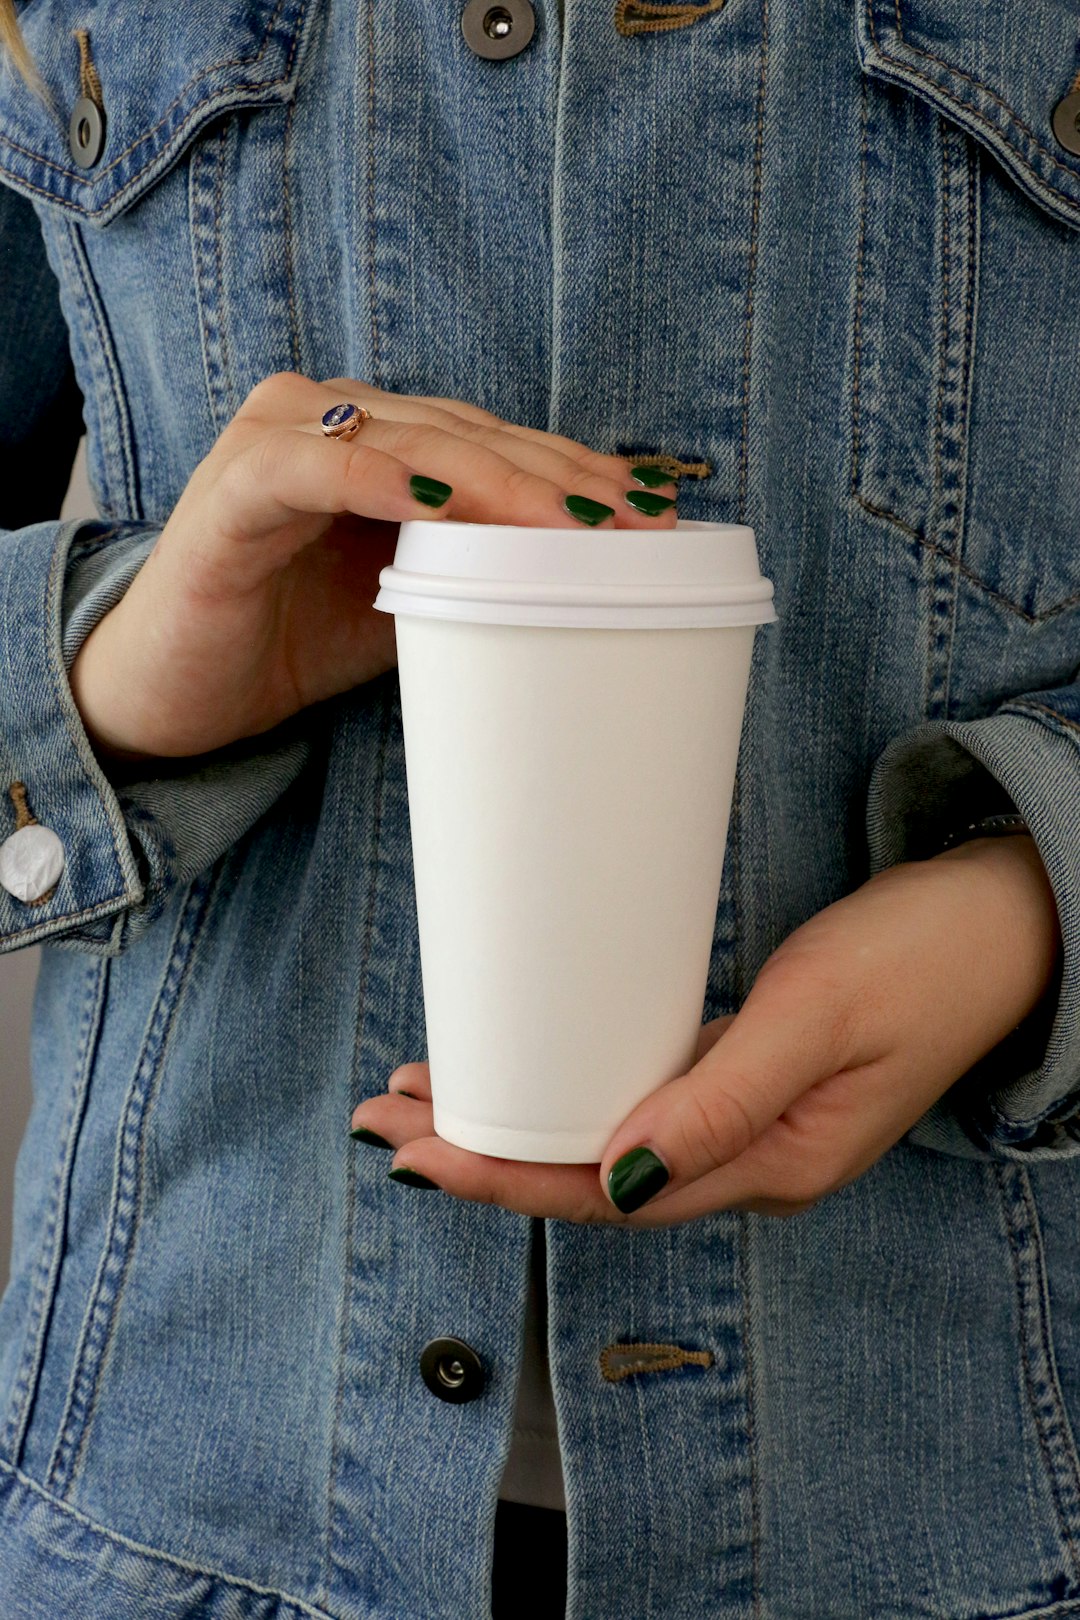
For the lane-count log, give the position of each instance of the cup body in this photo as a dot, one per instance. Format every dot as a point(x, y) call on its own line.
point(569, 791)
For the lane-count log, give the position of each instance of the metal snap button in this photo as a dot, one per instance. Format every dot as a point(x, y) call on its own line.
point(1067, 122)
point(452, 1370)
point(497, 29)
point(86, 132)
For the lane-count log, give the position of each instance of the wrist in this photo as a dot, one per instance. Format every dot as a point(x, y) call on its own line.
point(1013, 880)
point(93, 678)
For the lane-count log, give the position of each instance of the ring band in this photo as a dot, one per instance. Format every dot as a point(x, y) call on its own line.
point(342, 421)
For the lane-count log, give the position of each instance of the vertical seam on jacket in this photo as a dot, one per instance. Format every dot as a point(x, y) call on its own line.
point(322, 1595)
point(219, 187)
point(104, 349)
point(108, 1286)
point(751, 1432)
point(294, 328)
point(964, 391)
point(937, 569)
point(376, 368)
point(946, 334)
point(1040, 1380)
point(860, 288)
point(755, 221)
point(49, 1254)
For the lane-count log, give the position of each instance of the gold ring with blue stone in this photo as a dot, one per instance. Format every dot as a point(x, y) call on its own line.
point(342, 421)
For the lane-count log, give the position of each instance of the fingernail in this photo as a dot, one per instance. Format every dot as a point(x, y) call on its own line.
point(579, 506)
point(635, 1178)
point(411, 1178)
point(429, 490)
point(652, 476)
point(643, 500)
point(360, 1134)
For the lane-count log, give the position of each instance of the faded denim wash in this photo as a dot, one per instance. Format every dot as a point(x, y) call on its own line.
point(825, 255)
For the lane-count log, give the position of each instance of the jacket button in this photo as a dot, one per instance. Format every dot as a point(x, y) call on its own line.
point(31, 862)
point(86, 132)
point(497, 29)
point(452, 1370)
point(1067, 122)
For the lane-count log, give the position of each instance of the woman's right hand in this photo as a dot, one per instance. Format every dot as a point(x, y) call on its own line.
point(256, 598)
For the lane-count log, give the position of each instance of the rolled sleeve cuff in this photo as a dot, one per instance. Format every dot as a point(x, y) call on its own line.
point(1023, 1100)
point(44, 746)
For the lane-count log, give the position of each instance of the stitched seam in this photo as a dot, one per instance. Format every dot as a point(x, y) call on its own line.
point(46, 1274)
point(974, 111)
point(972, 292)
point(114, 1538)
point(1044, 708)
point(323, 1596)
point(294, 329)
point(755, 218)
point(106, 350)
point(236, 61)
point(372, 288)
point(1022, 1307)
point(860, 289)
point(1032, 1303)
point(751, 1437)
point(943, 352)
point(227, 391)
point(203, 279)
point(52, 594)
point(106, 1295)
point(962, 568)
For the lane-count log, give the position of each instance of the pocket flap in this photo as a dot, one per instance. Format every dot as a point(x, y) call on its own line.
point(997, 70)
point(165, 70)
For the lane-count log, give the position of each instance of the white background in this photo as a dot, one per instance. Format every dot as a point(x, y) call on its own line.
point(18, 970)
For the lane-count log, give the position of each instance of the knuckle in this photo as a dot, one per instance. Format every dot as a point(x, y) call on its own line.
point(820, 994)
point(720, 1126)
point(273, 387)
point(268, 455)
point(518, 481)
point(416, 438)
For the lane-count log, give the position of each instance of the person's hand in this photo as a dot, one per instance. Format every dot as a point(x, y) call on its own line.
point(854, 1027)
point(256, 598)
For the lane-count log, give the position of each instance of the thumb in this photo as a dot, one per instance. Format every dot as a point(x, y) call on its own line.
point(747, 1073)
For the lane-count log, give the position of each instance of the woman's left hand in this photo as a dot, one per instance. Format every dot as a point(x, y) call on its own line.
point(855, 1026)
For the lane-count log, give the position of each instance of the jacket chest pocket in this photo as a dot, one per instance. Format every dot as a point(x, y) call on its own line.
point(965, 408)
point(157, 168)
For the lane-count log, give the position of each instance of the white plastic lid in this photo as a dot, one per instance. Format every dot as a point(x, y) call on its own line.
point(693, 576)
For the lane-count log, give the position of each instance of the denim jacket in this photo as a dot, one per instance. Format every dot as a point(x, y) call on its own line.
point(822, 259)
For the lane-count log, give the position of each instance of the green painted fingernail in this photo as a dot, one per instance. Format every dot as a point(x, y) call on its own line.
point(359, 1134)
point(429, 490)
point(635, 1178)
point(652, 476)
point(411, 1178)
point(580, 506)
point(642, 500)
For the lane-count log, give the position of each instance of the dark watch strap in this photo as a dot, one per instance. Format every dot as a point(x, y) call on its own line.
point(988, 827)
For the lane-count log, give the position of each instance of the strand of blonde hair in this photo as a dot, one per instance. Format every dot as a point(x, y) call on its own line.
point(14, 46)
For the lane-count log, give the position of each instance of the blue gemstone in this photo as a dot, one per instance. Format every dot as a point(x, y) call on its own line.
point(338, 414)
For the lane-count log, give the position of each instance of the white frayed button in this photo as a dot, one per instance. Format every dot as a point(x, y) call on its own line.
point(31, 861)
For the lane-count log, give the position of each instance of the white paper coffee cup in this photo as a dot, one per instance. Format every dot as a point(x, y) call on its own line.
point(571, 709)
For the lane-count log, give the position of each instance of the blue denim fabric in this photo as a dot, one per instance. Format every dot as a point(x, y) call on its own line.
point(825, 255)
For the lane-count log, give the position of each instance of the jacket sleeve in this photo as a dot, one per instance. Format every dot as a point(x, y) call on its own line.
point(1022, 1101)
point(127, 844)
